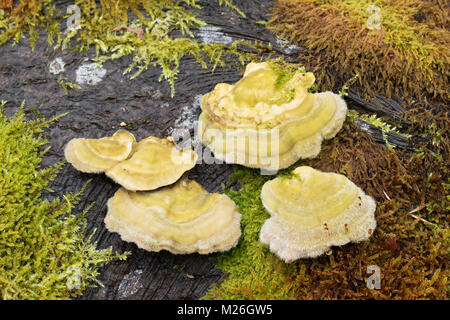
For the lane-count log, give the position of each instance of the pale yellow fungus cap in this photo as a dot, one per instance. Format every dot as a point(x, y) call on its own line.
point(312, 211)
point(98, 155)
point(143, 166)
point(183, 218)
point(259, 124)
point(155, 163)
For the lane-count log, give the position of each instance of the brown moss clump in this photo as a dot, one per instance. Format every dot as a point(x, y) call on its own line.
point(411, 242)
point(434, 13)
point(405, 57)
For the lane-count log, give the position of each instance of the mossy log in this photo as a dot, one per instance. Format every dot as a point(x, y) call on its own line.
point(145, 107)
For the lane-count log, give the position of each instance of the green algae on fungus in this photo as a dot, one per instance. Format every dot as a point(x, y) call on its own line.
point(405, 56)
point(154, 46)
point(412, 255)
point(43, 250)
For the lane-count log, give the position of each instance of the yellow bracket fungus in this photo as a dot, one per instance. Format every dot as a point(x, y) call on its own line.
point(261, 123)
point(312, 211)
point(156, 163)
point(147, 165)
point(183, 218)
point(99, 155)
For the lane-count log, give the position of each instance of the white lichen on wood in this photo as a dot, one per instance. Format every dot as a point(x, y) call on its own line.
point(90, 74)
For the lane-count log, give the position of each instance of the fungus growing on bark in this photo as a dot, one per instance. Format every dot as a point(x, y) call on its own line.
point(147, 165)
point(268, 120)
point(312, 211)
point(183, 218)
point(99, 155)
point(155, 163)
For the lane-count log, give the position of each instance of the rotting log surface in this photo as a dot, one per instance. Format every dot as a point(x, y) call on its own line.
point(144, 104)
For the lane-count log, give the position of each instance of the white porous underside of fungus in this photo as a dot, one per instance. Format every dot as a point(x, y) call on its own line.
point(235, 132)
point(182, 219)
point(307, 226)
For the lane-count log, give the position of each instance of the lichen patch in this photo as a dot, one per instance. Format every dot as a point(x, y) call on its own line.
point(90, 74)
point(56, 66)
point(212, 34)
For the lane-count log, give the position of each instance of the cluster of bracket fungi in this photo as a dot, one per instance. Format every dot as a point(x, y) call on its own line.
point(158, 208)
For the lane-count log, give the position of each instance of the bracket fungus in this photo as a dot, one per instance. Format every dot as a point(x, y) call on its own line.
point(155, 163)
point(262, 122)
point(147, 165)
point(99, 155)
point(183, 218)
point(312, 211)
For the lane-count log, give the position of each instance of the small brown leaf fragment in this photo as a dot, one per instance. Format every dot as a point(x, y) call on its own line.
point(435, 177)
point(138, 31)
point(392, 244)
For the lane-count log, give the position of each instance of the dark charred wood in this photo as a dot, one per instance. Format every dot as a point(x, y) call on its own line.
point(380, 105)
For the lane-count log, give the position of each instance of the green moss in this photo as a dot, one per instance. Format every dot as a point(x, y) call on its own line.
point(284, 70)
point(43, 251)
point(157, 45)
point(344, 90)
point(25, 18)
point(63, 83)
point(252, 271)
point(379, 123)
